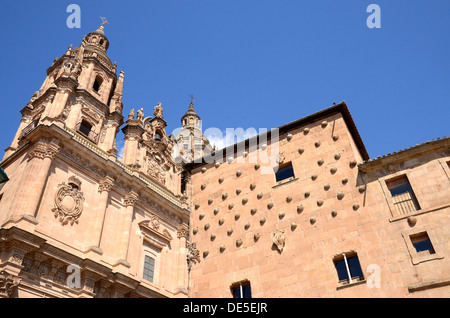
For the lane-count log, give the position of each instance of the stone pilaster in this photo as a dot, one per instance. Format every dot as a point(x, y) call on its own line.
point(129, 203)
point(104, 188)
point(33, 183)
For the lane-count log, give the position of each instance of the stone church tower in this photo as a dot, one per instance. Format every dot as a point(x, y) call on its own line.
point(192, 144)
point(75, 220)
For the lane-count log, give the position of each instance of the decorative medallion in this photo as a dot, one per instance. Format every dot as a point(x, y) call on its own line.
point(68, 202)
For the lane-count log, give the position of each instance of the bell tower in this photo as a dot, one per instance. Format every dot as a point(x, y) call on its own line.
point(191, 143)
point(71, 200)
point(82, 92)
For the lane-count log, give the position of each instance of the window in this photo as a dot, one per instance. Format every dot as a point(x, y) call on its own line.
point(85, 128)
point(241, 290)
point(402, 195)
point(348, 268)
point(149, 268)
point(422, 243)
point(158, 136)
point(183, 183)
point(97, 83)
point(284, 172)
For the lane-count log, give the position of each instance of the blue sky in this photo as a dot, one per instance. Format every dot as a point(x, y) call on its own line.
point(250, 63)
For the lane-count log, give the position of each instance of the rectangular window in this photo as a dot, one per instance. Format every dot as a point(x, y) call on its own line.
point(421, 242)
point(149, 268)
point(402, 195)
point(284, 172)
point(242, 290)
point(348, 268)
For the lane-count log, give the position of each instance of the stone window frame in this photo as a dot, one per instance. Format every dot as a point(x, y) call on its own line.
point(98, 73)
point(425, 256)
point(95, 126)
point(387, 193)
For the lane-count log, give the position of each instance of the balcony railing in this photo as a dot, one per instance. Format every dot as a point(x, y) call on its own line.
point(91, 135)
point(28, 129)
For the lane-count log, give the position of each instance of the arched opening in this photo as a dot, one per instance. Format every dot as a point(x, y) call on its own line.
point(158, 136)
point(97, 83)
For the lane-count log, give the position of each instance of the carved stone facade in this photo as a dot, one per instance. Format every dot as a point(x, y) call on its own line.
point(291, 237)
point(79, 221)
point(76, 220)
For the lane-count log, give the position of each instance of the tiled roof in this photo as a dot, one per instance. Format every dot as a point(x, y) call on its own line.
point(403, 150)
point(337, 108)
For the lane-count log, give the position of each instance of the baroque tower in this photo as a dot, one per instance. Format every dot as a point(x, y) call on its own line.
point(72, 203)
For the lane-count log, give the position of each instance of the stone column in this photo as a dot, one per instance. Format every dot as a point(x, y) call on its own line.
point(8, 284)
point(74, 115)
point(24, 122)
point(32, 185)
point(129, 202)
point(88, 280)
point(107, 140)
point(59, 102)
point(133, 132)
point(182, 283)
point(130, 150)
point(104, 188)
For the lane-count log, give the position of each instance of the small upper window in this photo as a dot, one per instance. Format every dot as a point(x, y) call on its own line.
point(242, 290)
point(421, 242)
point(285, 171)
point(97, 83)
point(158, 136)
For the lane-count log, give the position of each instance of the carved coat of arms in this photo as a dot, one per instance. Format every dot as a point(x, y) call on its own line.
point(279, 238)
point(68, 203)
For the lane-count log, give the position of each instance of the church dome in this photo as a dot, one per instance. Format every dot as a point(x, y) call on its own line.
point(95, 45)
